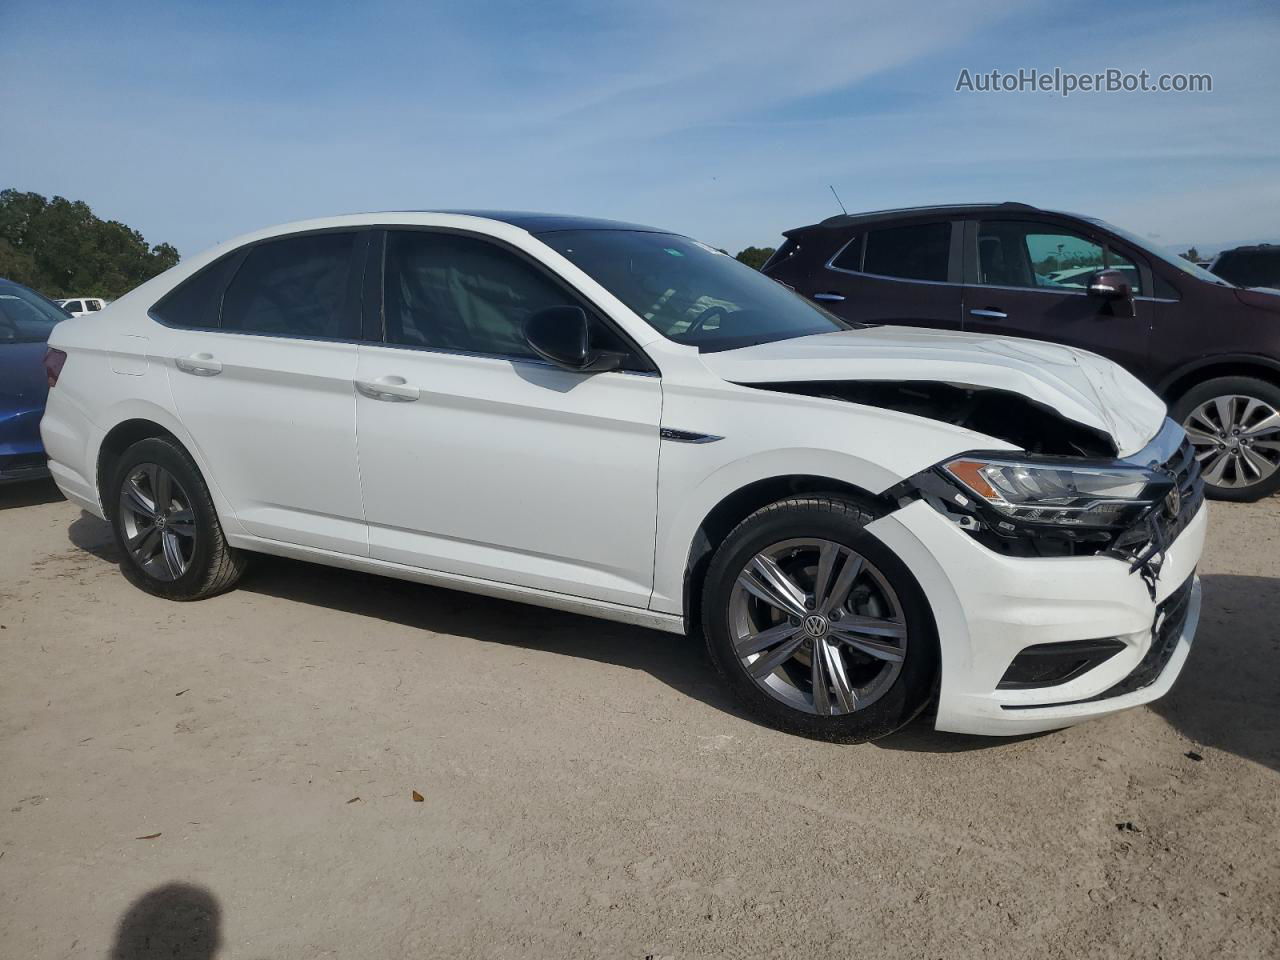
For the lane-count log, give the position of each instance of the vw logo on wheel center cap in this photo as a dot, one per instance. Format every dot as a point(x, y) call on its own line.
point(815, 625)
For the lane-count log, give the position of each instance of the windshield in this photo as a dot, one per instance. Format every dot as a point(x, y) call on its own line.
point(1183, 264)
point(689, 292)
point(25, 316)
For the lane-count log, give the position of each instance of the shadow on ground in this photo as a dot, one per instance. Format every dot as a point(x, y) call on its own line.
point(176, 922)
point(1228, 696)
point(28, 493)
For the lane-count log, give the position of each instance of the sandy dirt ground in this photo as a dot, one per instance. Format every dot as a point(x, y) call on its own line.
point(236, 778)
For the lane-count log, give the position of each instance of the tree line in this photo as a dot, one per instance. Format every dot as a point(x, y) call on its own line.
point(60, 248)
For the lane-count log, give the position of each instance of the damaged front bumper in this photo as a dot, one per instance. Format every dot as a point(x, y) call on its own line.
point(989, 607)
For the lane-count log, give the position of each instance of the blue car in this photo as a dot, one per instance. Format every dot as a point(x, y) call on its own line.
point(26, 319)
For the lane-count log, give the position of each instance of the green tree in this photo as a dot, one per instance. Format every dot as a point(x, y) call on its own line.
point(1193, 255)
point(754, 257)
point(57, 246)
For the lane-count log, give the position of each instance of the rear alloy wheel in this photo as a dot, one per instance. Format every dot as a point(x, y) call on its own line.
point(166, 528)
point(1234, 425)
point(816, 625)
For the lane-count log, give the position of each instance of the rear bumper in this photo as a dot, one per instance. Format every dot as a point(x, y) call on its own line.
point(989, 607)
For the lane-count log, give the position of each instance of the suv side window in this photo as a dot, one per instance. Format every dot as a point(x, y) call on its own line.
point(1041, 256)
point(93, 305)
point(293, 287)
point(919, 251)
point(446, 291)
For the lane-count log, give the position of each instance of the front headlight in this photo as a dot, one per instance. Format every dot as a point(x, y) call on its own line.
point(1059, 494)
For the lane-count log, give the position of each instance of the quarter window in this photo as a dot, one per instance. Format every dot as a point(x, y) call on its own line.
point(444, 291)
point(196, 301)
point(917, 252)
point(294, 287)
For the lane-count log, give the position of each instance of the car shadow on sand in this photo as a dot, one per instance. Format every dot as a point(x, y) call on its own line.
point(29, 493)
point(1227, 698)
point(177, 921)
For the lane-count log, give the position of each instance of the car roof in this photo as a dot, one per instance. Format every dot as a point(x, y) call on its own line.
point(533, 222)
point(840, 221)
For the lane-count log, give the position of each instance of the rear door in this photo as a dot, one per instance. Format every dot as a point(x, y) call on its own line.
point(478, 458)
point(906, 274)
point(261, 353)
point(1030, 279)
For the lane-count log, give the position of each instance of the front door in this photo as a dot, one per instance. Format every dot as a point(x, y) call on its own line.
point(478, 458)
point(1031, 280)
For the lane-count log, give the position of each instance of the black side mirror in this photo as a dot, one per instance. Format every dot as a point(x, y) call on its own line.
point(1111, 284)
point(1114, 287)
point(562, 335)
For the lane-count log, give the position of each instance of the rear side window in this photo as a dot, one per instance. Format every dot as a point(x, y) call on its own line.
point(294, 287)
point(850, 256)
point(1250, 268)
point(93, 305)
point(916, 252)
point(196, 301)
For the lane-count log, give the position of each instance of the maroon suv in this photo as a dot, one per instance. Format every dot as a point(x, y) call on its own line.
point(1211, 349)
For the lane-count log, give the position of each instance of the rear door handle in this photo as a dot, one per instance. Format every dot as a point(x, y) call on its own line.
point(829, 297)
point(199, 364)
point(389, 389)
point(990, 314)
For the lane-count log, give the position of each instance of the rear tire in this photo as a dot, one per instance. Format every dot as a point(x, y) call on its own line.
point(166, 528)
point(1234, 423)
point(850, 615)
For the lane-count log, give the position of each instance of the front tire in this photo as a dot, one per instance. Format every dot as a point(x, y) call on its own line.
point(816, 625)
point(166, 529)
point(1234, 425)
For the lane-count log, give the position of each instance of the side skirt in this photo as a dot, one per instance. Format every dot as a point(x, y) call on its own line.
point(667, 622)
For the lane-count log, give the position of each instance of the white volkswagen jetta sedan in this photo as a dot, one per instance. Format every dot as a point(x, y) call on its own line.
point(625, 423)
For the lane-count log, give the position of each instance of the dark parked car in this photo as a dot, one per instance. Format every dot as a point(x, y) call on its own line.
point(26, 318)
point(1210, 348)
point(1257, 266)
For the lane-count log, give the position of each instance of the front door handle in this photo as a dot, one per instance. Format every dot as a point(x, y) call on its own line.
point(990, 314)
point(829, 297)
point(389, 389)
point(199, 364)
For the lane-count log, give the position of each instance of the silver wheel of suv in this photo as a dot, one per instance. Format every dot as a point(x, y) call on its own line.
point(817, 626)
point(1237, 440)
point(159, 525)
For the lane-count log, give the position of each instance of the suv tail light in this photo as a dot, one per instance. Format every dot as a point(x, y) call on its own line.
point(53, 361)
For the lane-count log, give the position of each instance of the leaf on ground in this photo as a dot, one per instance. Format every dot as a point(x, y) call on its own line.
point(353, 800)
point(149, 836)
point(181, 692)
point(417, 797)
point(1192, 755)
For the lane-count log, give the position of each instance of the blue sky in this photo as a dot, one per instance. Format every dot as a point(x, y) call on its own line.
point(196, 122)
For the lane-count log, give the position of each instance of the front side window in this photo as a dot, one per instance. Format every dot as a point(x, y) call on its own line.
point(446, 291)
point(1013, 254)
point(293, 287)
point(689, 292)
point(920, 251)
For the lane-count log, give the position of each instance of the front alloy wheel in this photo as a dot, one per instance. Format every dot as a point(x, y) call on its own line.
point(1237, 440)
point(817, 626)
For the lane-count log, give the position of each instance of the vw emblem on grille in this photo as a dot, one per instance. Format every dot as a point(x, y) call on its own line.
point(1173, 503)
point(815, 625)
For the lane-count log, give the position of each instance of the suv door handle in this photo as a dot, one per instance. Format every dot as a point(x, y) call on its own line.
point(390, 389)
point(829, 297)
point(199, 364)
point(991, 314)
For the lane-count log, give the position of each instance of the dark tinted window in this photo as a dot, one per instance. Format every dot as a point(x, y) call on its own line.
point(25, 316)
point(445, 291)
point(195, 302)
point(850, 258)
point(689, 292)
point(93, 305)
point(1250, 268)
point(917, 252)
point(295, 287)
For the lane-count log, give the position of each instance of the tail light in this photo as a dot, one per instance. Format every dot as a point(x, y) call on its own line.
point(53, 361)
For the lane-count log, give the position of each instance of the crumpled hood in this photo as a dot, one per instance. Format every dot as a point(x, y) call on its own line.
point(1079, 385)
